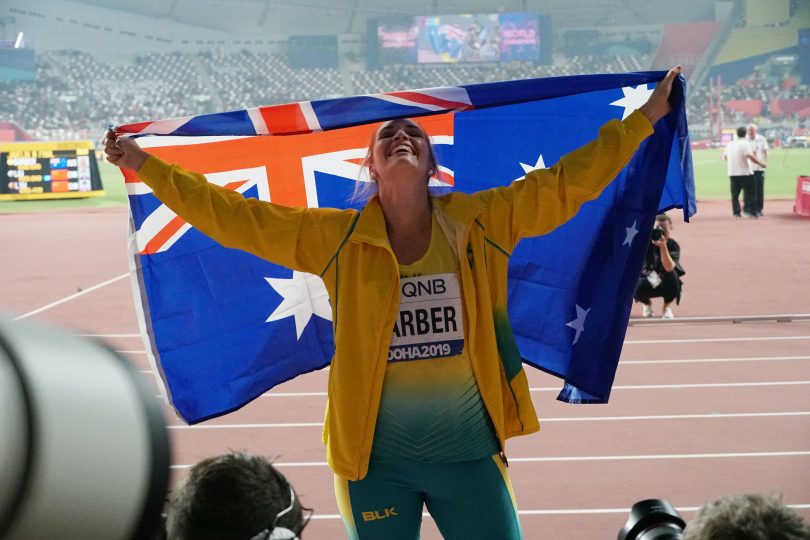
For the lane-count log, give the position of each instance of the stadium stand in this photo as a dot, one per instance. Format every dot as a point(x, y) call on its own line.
point(766, 94)
point(78, 89)
point(685, 44)
point(83, 93)
point(400, 77)
point(11, 132)
point(77, 93)
point(246, 79)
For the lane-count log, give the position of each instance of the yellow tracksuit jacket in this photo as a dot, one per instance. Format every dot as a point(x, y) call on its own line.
point(349, 250)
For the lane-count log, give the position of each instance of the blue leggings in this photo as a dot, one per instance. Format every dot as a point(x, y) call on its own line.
point(467, 500)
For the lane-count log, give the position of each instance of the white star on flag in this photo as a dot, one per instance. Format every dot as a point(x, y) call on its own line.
point(633, 98)
point(303, 295)
point(630, 233)
point(578, 324)
point(539, 165)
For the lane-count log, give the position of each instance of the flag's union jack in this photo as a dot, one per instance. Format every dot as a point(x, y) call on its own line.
point(281, 170)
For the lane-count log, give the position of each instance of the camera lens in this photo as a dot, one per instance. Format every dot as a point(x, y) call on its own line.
point(84, 450)
point(661, 532)
point(653, 519)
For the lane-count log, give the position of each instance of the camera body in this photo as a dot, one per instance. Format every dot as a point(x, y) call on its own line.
point(653, 519)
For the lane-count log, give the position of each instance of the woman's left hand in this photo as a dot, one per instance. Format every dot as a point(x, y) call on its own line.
point(657, 105)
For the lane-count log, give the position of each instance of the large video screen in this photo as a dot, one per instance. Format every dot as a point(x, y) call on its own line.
point(440, 39)
point(397, 40)
point(49, 170)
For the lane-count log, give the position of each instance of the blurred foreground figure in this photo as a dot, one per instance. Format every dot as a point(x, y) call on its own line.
point(84, 451)
point(747, 517)
point(234, 496)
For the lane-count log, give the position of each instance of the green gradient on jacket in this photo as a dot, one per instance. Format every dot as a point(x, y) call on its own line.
point(431, 411)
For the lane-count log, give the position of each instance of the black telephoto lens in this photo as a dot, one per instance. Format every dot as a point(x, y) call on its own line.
point(653, 519)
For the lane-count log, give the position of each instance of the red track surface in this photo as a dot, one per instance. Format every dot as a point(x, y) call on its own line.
point(684, 441)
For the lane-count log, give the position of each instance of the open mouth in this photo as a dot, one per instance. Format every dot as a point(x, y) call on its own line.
point(402, 150)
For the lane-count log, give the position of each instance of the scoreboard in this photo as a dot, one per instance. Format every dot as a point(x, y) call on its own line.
point(49, 170)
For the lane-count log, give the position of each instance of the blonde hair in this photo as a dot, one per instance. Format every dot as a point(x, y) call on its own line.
point(366, 189)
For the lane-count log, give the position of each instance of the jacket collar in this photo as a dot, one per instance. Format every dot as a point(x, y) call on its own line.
point(370, 226)
point(460, 207)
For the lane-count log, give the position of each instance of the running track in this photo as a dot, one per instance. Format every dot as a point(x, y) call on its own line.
point(698, 410)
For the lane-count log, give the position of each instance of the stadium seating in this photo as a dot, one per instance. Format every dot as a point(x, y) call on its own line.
point(77, 95)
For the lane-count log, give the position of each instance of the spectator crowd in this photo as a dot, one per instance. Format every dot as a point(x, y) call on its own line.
point(76, 95)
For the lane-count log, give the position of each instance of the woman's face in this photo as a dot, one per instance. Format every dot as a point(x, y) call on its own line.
point(400, 148)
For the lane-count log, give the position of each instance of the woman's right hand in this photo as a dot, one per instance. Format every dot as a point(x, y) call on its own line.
point(123, 152)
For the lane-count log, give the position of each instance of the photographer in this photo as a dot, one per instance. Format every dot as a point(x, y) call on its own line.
point(746, 516)
point(234, 496)
point(662, 271)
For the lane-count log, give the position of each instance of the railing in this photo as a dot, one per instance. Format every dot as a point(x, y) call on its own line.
point(733, 319)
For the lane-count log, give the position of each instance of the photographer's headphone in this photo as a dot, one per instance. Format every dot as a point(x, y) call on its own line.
point(279, 533)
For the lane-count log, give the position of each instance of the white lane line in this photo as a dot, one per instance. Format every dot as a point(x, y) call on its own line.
point(247, 426)
point(294, 394)
point(542, 420)
point(712, 360)
point(289, 464)
point(661, 456)
point(695, 385)
point(557, 389)
point(675, 417)
point(567, 512)
point(710, 340)
point(622, 363)
point(134, 336)
point(611, 510)
point(72, 297)
point(653, 362)
point(111, 336)
point(559, 459)
point(638, 341)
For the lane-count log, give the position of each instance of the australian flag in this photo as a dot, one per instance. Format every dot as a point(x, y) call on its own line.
point(223, 326)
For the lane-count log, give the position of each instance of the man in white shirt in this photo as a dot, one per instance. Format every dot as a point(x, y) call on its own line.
point(739, 156)
point(759, 147)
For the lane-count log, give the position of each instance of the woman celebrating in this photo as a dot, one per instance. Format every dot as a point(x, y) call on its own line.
point(426, 383)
